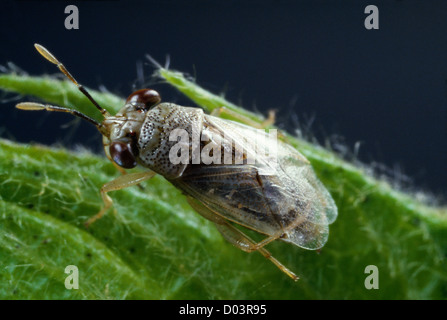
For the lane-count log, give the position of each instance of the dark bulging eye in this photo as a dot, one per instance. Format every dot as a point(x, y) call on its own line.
point(123, 154)
point(147, 97)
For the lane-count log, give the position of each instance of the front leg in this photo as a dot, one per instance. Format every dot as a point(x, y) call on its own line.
point(122, 182)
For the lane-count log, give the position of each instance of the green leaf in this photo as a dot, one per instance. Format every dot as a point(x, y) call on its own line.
point(154, 246)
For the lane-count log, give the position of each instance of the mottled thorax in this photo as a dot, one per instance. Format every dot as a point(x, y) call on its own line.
point(154, 142)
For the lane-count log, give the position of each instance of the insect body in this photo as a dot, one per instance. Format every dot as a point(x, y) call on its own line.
point(278, 197)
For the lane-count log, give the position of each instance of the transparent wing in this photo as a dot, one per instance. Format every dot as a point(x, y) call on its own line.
point(267, 196)
point(305, 180)
point(231, 191)
point(290, 166)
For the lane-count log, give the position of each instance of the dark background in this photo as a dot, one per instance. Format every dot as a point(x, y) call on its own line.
point(313, 61)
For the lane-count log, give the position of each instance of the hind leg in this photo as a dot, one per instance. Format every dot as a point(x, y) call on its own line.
point(245, 119)
point(238, 238)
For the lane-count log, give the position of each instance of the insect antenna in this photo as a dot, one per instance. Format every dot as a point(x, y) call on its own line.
point(49, 56)
point(30, 106)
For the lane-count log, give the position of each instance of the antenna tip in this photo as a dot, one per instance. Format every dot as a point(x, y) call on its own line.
point(30, 106)
point(46, 54)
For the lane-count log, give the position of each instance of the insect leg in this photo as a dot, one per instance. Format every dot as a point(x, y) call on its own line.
point(245, 243)
point(119, 183)
point(207, 213)
point(204, 211)
point(237, 237)
point(244, 119)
